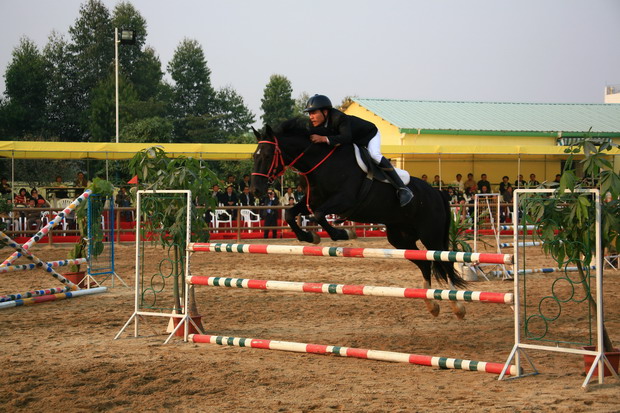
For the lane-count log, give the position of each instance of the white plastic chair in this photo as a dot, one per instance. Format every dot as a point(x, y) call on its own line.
point(62, 204)
point(223, 218)
point(249, 218)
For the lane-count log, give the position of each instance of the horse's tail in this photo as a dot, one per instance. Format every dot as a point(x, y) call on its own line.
point(442, 270)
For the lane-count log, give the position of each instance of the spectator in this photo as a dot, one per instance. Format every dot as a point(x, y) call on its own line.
point(506, 209)
point(246, 198)
point(470, 183)
point(504, 184)
point(533, 183)
point(299, 193)
point(483, 182)
point(424, 178)
point(59, 193)
point(556, 181)
point(458, 183)
point(437, 182)
point(123, 200)
point(288, 195)
point(229, 198)
point(5, 188)
point(520, 182)
point(485, 190)
point(270, 215)
point(21, 198)
point(245, 182)
point(216, 193)
point(230, 181)
point(80, 183)
point(39, 201)
point(33, 217)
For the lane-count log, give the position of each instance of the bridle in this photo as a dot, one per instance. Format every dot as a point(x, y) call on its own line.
point(278, 166)
point(277, 163)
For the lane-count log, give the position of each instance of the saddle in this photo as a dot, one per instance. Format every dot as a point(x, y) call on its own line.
point(372, 170)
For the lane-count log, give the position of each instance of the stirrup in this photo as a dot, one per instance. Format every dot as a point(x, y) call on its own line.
point(404, 196)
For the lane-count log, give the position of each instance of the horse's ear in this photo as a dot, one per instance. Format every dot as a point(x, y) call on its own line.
point(269, 132)
point(256, 133)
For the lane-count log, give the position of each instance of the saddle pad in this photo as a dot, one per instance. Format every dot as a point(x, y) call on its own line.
point(404, 175)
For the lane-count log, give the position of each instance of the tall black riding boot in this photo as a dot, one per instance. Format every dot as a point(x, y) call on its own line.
point(404, 194)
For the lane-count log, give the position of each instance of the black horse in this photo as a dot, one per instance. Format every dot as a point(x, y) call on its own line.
point(337, 185)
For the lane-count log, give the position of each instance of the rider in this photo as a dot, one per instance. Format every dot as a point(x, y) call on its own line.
point(351, 129)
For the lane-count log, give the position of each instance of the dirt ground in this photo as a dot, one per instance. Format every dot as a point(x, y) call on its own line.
point(62, 355)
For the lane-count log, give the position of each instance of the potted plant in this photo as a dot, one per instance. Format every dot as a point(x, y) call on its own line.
point(156, 171)
point(567, 225)
point(103, 189)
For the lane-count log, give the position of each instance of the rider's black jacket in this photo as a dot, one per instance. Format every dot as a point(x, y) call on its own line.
point(342, 128)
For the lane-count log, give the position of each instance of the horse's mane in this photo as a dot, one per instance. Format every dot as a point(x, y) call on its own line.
point(293, 127)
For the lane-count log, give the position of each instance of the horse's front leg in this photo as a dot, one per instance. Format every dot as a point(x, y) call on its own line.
point(290, 216)
point(336, 234)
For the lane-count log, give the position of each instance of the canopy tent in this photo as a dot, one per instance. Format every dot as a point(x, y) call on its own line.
point(219, 151)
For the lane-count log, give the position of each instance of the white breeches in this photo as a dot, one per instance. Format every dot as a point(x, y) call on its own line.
point(374, 148)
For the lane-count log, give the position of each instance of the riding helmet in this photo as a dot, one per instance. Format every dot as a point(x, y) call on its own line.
point(318, 102)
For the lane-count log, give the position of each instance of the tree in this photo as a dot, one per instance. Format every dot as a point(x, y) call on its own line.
point(92, 53)
point(26, 89)
point(300, 103)
point(192, 91)
point(102, 113)
point(232, 116)
point(277, 104)
point(61, 106)
point(155, 130)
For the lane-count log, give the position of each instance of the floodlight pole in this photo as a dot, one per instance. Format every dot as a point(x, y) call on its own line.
point(116, 75)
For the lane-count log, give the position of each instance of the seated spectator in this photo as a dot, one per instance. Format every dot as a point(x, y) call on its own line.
point(533, 183)
point(33, 217)
point(287, 196)
point(5, 188)
point(506, 209)
point(270, 215)
point(424, 178)
point(520, 182)
point(59, 193)
point(470, 182)
point(504, 184)
point(299, 193)
point(246, 198)
point(437, 183)
point(230, 181)
point(483, 182)
point(21, 198)
point(245, 182)
point(485, 190)
point(556, 182)
point(458, 183)
point(40, 202)
point(229, 198)
point(80, 183)
point(123, 200)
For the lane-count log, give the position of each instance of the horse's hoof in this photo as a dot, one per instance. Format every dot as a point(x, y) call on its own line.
point(351, 233)
point(459, 311)
point(315, 238)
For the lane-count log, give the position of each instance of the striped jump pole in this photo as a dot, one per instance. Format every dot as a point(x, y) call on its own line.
point(520, 244)
point(519, 227)
point(51, 297)
point(343, 289)
point(34, 293)
point(449, 256)
point(441, 362)
point(540, 270)
point(49, 264)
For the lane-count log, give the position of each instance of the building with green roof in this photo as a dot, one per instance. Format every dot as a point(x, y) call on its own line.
point(445, 138)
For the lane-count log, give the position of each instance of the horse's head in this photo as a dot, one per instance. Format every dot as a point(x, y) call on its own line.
point(268, 164)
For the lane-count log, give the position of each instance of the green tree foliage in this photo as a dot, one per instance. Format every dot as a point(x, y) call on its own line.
point(155, 129)
point(25, 88)
point(103, 108)
point(232, 117)
point(61, 105)
point(92, 52)
point(277, 103)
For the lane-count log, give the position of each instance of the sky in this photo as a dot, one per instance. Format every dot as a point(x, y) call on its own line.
point(551, 51)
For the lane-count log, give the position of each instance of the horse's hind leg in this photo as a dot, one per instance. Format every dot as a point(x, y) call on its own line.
point(408, 241)
point(290, 216)
point(457, 307)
